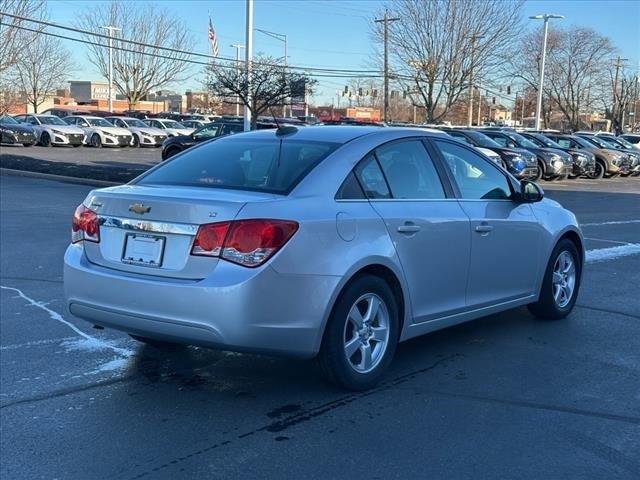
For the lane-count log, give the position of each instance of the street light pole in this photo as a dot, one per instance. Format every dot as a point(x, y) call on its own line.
point(111, 29)
point(247, 65)
point(386, 20)
point(237, 46)
point(546, 18)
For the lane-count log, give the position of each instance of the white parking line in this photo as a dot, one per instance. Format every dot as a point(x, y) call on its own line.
point(90, 341)
point(620, 222)
point(612, 253)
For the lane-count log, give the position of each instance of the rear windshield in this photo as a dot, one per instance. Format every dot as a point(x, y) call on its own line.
point(240, 163)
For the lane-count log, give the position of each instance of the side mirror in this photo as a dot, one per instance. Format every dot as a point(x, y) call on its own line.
point(530, 192)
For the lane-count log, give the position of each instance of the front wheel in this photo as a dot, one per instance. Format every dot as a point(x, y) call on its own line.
point(599, 171)
point(361, 335)
point(560, 284)
point(45, 139)
point(96, 141)
point(136, 141)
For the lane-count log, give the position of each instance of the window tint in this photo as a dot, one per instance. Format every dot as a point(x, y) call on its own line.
point(70, 120)
point(564, 143)
point(350, 189)
point(409, 170)
point(208, 131)
point(499, 139)
point(241, 163)
point(460, 136)
point(476, 178)
point(372, 179)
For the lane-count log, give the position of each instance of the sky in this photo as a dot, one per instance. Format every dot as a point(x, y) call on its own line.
point(336, 33)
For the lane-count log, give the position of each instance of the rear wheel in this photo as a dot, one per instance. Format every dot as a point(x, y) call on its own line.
point(361, 335)
point(560, 284)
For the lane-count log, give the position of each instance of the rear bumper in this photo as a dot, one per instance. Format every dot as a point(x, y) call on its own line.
point(239, 309)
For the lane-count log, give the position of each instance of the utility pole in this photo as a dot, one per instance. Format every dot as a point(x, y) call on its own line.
point(479, 103)
point(248, 59)
point(546, 18)
point(237, 46)
point(386, 20)
point(111, 29)
point(474, 37)
point(614, 110)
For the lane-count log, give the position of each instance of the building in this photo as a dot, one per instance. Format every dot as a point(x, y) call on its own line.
point(87, 91)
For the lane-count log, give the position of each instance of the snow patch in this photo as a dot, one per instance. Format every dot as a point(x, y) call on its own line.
point(612, 253)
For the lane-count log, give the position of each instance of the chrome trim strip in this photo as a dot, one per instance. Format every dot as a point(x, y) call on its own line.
point(147, 225)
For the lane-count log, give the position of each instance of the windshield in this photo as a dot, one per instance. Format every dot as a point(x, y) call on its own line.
point(597, 142)
point(581, 141)
point(50, 120)
point(621, 141)
point(134, 122)
point(172, 124)
point(482, 140)
point(8, 119)
point(542, 141)
point(98, 122)
point(241, 163)
point(520, 140)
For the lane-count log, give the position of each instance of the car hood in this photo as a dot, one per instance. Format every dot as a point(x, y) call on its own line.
point(113, 130)
point(17, 128)
point(68, 129)
point(149, 130)
point(181, 131)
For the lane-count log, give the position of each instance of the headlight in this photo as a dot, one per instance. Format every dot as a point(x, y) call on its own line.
point(57, 132)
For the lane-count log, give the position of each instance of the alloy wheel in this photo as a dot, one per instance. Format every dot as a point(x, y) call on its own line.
point(564, 279)
point(366, 333)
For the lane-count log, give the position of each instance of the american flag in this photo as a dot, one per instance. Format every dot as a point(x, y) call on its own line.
point(213, 39)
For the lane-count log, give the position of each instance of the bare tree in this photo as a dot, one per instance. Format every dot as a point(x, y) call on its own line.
point(12, 38)
point(42, 66)
point(138, 69)
point(432, 50)
point(270, 85)
point(576, 68)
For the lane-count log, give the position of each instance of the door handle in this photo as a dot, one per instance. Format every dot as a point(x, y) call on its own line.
point(483, 229)
point(408, 228)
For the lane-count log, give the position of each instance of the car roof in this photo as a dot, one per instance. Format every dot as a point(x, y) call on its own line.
point(339, 133)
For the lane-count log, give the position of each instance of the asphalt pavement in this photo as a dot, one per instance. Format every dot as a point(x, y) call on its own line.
point(506, 396)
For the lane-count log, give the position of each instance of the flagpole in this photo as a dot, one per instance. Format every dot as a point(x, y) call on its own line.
point(247, 65)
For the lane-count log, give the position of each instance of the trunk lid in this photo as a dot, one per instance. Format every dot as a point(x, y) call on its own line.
point(150, 230)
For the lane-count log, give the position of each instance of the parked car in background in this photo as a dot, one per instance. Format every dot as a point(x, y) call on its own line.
point(622, 144)
point(633, 139)
point(553, 164)
point(14, 133)
point(100, 132)
point(143, 134)
point(329, 242)
point(603, 142)
point(584, 163)
point(608, 161)
point(177, 144)
point(51, 130)
point(309, 120)
point(171, 127)
point(62, 112)
point(193, 123)
point(520, 162)
point(139, 114)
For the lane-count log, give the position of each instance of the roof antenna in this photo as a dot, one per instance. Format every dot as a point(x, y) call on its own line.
point(282, 129)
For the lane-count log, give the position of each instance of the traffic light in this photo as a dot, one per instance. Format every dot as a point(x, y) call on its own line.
point(508, 89)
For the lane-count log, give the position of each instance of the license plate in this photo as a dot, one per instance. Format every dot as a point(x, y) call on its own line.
point(141, 249)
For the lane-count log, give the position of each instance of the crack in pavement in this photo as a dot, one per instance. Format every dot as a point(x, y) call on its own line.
point(605, 310)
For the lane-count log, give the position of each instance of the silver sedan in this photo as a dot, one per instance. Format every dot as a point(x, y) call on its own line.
point(332, 242)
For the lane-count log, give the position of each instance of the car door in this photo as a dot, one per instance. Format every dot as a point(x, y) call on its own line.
point(505, 235)
point(427, 226)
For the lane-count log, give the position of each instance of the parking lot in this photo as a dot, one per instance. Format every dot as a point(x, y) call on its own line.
point(505, 396)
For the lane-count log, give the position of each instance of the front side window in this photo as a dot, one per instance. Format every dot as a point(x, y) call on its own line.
point(498, 138)
point(208, 131)
point(477, 179)
point(409, 171)
point(240, 163)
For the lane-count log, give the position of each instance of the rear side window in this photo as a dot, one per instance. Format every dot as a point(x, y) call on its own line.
point(372, 179)
point(409, 170)
point(350, 189)
point(241, 163)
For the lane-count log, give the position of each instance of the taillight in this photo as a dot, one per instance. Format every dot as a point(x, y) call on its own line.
point(84, 225)
point(246, 242)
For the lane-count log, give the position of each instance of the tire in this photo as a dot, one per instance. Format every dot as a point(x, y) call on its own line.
point(172, 151)
point(27, 144)
point(599, 171)
point(45, 139)
point(78, 145)
point(557, 306)
point(352, 372)
point(96, 141)
point(539, 173)
point(155, 343)
point(503, 164)
point(136, 141)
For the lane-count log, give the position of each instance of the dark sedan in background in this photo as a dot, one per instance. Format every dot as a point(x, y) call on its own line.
point(14, 133)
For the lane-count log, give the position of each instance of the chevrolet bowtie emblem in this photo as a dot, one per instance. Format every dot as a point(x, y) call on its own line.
point(139, 208)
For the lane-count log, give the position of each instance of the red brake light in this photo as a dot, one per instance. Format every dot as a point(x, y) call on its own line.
point(84, 225)
point(246, 242)
point(209, 239)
